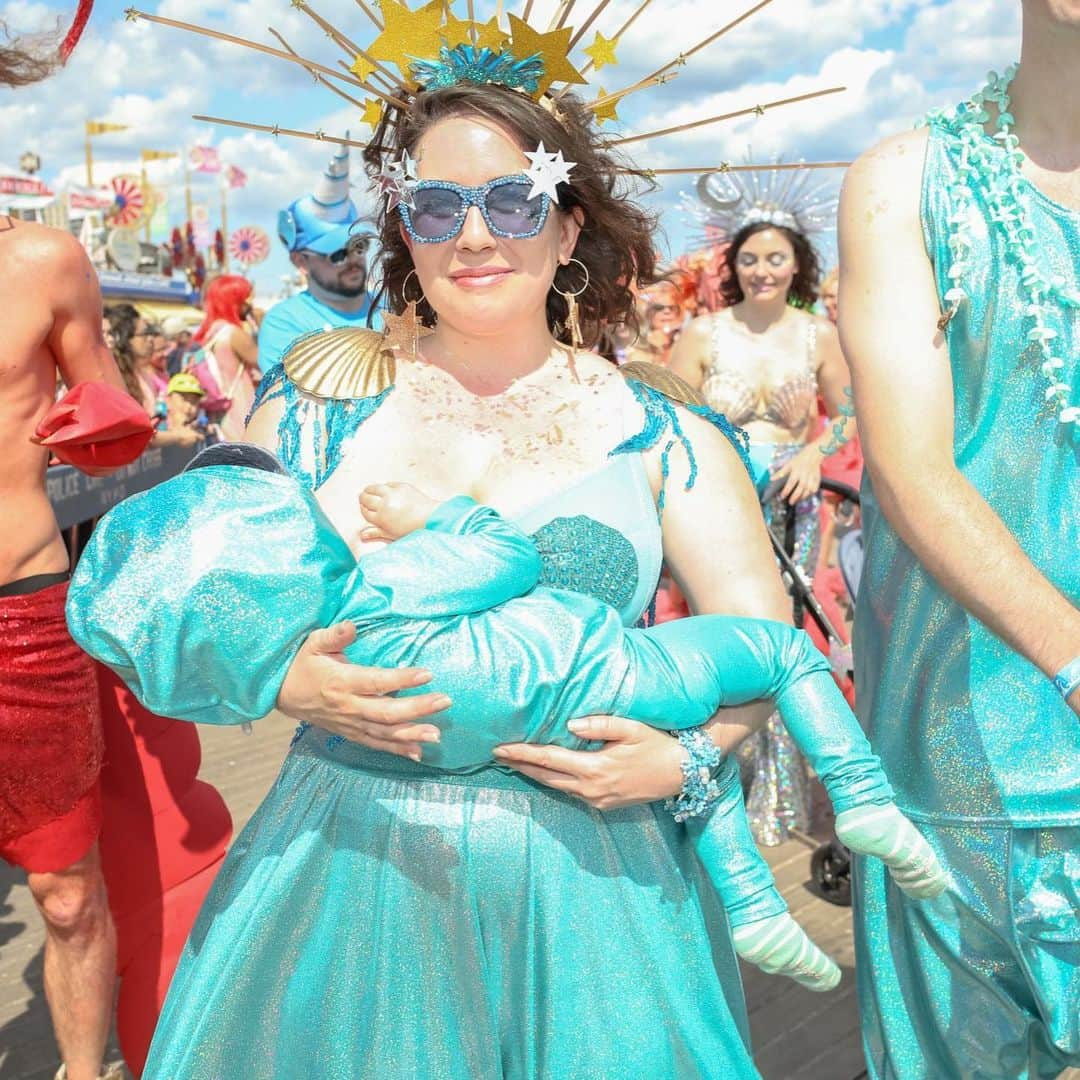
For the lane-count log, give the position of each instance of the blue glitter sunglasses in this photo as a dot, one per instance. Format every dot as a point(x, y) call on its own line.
point(438, 209)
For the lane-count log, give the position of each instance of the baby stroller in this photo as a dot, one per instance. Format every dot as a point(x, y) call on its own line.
point(830, 865)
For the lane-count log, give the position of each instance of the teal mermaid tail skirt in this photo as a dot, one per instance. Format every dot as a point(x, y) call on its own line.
point(378, 919)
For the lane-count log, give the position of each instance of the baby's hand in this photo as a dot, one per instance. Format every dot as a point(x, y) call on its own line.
point(393, 510)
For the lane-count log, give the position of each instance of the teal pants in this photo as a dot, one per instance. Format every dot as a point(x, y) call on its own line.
point(982, 983)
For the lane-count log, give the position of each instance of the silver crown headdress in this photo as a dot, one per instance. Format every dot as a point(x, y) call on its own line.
point(727, 201)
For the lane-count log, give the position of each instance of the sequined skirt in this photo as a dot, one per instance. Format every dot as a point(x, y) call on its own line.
point(779, 785)
point(380, 920)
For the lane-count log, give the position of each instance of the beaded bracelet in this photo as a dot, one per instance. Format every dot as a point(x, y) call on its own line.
point(699, 790)
point(1068, 678)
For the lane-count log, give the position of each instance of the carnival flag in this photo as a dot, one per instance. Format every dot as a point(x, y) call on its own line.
point(158, 155)
point(235, 177)
point(204, 159)
point(100, 127)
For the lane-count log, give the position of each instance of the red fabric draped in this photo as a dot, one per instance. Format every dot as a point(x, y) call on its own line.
point(163, 837)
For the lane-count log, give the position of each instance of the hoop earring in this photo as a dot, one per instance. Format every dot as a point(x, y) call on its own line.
point(405, 284)
point(405, 331)
point(573, 323)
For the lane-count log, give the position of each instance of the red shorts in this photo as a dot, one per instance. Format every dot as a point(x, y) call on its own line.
point(50, 735)
point(62, 842)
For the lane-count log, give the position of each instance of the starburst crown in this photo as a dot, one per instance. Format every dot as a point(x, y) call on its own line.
point(427, 47)
point(725, 202)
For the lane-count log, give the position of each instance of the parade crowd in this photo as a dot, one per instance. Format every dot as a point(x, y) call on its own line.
point(522, 525)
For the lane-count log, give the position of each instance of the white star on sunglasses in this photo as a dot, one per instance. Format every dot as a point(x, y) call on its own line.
point(547, 172)
point(408, 166)
point(397, 179)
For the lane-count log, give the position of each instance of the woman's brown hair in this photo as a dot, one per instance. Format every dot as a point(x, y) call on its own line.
point(804, 286)
point(26, 60)
point(616, 241)
point(122, 320)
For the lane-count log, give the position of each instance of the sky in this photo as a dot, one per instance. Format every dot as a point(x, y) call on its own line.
point(897, 58)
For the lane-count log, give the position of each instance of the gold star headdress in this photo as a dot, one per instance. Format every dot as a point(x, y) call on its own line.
point(426, 47)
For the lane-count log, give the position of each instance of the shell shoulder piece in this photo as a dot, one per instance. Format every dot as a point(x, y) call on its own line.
point(344, 364)
point(660, 378)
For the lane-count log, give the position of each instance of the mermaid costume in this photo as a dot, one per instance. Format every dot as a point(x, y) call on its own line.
point(474, 901)
point(461, 594)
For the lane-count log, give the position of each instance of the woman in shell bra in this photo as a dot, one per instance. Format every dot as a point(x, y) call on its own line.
point(761, 361)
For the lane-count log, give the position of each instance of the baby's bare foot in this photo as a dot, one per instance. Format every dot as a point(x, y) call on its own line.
point(393, 510)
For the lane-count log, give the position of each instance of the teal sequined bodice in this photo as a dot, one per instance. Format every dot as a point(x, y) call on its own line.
point(968, 729)
point(600, 536)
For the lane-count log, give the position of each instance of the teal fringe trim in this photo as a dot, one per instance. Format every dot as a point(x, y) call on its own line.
point(662, 418)
point(333, 423)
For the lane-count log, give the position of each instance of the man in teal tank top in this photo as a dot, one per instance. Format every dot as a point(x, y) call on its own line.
point(960, 318)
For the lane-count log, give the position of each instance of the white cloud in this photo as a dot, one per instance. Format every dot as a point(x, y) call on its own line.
point(980, 36)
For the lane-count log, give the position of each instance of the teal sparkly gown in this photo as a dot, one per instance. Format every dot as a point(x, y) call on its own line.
point(381, 918)
point(459, 595)
point(983, 753)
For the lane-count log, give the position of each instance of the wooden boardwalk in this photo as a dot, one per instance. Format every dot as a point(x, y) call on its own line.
point(797, 1035)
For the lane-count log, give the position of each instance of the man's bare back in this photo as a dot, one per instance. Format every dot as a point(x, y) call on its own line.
point(53, 326)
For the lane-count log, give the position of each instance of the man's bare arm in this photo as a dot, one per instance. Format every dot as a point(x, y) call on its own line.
point(76, 340)
point(904, 400)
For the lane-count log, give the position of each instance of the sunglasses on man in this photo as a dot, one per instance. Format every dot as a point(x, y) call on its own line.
point(339, 256)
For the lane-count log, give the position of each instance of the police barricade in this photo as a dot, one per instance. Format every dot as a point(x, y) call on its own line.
point(77, 498)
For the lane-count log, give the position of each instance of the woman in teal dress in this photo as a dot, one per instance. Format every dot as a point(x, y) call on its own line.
point(379, 918)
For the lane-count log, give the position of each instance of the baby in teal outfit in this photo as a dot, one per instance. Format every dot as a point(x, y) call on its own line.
point(457, 592)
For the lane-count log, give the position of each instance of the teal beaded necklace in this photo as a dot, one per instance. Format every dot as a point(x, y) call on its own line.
point(1008, 200)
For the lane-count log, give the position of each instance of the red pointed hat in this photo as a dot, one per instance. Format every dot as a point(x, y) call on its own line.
point(78, 25)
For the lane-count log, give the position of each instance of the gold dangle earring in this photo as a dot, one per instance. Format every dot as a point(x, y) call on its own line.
point(573, 322)
point(405, 331)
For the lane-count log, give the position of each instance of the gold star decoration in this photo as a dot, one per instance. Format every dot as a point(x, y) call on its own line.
point(372, 113)
point(602, 51)
point(407, 34)
point(362, 69)
point(404, 331)
point(553, 50)
point(131, 15)
point(759, 110)
point(456, 31)
point(607, 111)
point(490, 35)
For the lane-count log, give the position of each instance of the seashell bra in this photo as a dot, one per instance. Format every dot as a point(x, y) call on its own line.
point(787, 405)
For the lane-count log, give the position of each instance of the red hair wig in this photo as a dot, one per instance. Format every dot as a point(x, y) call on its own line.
point(225, 298)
